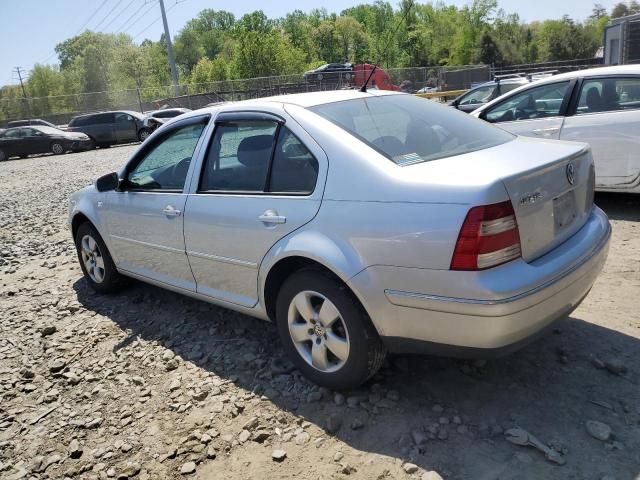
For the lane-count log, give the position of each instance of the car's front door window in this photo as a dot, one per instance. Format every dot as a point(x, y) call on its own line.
point(478, 96)
point(166, 163)
point(537, 102)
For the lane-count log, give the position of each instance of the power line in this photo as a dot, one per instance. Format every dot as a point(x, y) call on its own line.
point(52, 54)
point(118, 15)
point(153, 23)
point(128, 24)
point(107, 15)
point(91, 17)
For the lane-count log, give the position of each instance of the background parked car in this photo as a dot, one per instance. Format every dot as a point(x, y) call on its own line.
point(25, 123)
point(600, 106)
point(111, 128)
point(329, 70)
point(155, 118)
point(23, 141)
point(486, 92)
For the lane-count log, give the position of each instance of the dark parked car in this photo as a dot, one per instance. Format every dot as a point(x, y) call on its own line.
point(155, 118)
point(26, 123)
point(329, 71)
point(23, 141)
point(111, 128)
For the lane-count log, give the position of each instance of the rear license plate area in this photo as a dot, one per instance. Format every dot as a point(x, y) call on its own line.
point(564, 211)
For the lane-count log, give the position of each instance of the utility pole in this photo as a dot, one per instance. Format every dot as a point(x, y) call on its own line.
point(172, 57)
point(24, 92)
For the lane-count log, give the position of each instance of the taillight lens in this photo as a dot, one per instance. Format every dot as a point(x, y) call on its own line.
point(489, 236)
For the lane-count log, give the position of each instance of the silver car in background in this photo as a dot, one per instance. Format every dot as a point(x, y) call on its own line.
point(359, 223)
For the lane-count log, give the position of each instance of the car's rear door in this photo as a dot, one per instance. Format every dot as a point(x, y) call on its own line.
point(537, 111)
point(10, 142)
point(145, 218)
point(261, 179)
point(606, 114)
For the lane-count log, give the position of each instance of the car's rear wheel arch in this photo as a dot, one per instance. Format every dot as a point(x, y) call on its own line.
point(286, 267)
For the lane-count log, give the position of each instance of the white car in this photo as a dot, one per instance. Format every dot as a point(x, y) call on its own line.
point(600, 106)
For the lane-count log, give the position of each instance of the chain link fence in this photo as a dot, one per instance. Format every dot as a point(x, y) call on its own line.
point(60, 109)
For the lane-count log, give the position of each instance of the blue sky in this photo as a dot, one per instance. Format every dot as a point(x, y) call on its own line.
point(31, 28)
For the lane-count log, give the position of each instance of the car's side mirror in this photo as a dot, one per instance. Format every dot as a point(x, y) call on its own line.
point(108, 182)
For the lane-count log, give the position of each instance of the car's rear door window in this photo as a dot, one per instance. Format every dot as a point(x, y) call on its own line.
point(258, 156)
point(609, 95)
point(239, 156)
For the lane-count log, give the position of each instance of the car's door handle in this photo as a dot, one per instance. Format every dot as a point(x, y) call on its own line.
point(171, 211)
point(546, 131)
point(271, 216)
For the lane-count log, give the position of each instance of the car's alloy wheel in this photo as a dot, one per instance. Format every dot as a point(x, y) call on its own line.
point(95, 260)
point(57, 148)
point(318, 331)
point(144, 133)
point(92, 258)
point(326, 332)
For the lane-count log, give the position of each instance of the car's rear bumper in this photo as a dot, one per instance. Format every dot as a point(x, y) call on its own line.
point(474, 313)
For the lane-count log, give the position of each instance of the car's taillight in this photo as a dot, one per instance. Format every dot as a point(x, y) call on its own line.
point(489, 236)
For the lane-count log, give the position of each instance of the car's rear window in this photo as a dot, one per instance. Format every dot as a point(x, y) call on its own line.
point(408, 130)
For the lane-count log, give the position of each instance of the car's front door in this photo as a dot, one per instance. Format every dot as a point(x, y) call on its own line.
point(261, 179)
point(145, 218)
point(125, 128)
point(535, 112)
point(607, 116)
point(475, 98)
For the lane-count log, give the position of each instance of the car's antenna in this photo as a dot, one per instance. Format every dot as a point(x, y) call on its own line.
point(364, 87)
point(384, 54)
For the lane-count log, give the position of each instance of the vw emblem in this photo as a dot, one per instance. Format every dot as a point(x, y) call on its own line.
point(571, 173)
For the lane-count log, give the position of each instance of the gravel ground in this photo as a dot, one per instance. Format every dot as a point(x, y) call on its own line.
point(151, 385)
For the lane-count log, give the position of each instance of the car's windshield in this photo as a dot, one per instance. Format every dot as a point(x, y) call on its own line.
point(407, 129)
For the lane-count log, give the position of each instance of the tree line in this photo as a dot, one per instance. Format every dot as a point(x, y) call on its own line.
point(215, 45)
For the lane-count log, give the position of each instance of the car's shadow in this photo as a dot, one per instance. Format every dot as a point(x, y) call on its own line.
point(619, 206)
point(547, 388)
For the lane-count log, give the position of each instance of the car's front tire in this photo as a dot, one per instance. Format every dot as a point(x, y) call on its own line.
point(326, 332)
point(143, 134)
point(95, 260)
point(57, 148)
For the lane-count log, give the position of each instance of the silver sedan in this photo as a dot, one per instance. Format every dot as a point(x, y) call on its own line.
point(359, 223)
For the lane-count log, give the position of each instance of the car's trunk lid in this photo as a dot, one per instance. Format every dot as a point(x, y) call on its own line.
point(549, 208)
point(551, 201)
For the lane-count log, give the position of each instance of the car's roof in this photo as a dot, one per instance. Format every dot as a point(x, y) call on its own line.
point(590, 72)
point(593, 72)
point(311, 99)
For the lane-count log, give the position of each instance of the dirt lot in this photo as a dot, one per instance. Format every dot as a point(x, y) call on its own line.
point(148, 384)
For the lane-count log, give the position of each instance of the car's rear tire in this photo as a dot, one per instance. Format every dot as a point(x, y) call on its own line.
point(143, 134)
point(95, 260)
point(57, 148)
point(326, 332)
